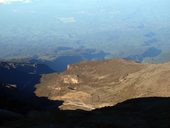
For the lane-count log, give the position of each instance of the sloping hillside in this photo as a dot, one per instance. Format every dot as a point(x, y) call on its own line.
point(97, 84)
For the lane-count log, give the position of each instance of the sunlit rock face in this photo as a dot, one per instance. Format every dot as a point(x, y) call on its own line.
point(70, 79)
point(97, 84)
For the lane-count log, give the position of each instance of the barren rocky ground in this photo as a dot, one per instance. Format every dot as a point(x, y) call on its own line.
point(97, 84)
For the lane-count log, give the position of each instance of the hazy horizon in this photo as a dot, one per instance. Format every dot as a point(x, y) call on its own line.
point(122, 28)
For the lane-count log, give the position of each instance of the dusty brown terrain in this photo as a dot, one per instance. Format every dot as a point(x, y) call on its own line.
point(97, 84)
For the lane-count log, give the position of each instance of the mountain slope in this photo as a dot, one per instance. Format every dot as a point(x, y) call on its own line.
point(96, 84)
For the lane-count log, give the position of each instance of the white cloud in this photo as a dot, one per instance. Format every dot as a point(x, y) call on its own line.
point(18, 11)
point(67, 19)
point(14, 1)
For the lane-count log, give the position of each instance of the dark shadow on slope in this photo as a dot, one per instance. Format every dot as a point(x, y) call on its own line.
point(13, 100)
point(25, 75)
point(17, 86)
point(14, 104)
point(153, 112)
point(23, 80)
